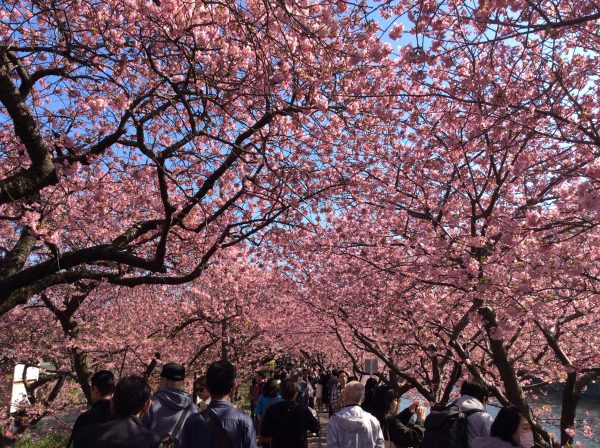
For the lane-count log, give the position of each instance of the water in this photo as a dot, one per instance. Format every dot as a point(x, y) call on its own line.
point(588, 410)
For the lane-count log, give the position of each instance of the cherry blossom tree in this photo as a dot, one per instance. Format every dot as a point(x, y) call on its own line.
point(141, 135)
point(476, 222)
point(435, 206)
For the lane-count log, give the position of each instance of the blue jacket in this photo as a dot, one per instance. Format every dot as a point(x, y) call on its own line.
point(236, 425)
point(264, 402)
point(167, 406)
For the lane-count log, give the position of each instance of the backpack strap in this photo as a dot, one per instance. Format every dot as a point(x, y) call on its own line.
point(180, 422)
point(216, 428)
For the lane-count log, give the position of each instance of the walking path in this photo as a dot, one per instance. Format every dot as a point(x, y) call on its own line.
point(320, 441)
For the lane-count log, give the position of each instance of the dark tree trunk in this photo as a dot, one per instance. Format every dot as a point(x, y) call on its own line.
point(570, 399)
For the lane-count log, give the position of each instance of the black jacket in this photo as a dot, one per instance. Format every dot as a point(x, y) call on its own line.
point(400, 430)
point(287, 423)
point(120, 432)
point(98, 413)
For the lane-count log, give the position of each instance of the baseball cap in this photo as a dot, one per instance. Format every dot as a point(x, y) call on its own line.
point(173, 371)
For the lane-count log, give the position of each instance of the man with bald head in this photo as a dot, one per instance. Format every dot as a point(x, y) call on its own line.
point(352, 427)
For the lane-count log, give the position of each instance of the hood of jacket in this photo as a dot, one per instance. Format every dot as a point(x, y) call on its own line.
point(352, 419)
point(467, 403)
point(174, 399)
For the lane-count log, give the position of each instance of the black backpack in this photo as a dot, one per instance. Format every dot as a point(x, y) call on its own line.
point(447, 428)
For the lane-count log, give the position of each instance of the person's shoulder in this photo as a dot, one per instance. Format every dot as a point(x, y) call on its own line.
point(241, 415)
point(195, 418)
point(81, 419)
point(88, 433)
point(276, 406)
point(148, 435)
point(82, 429)
point(486, 417)
point(144, 438)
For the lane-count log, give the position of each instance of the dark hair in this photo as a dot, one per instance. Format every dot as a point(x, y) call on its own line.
point(288, 389)
point(475, 389)
point(506, 424)
point(370, 388)
point(382, 401)
point(339, 372)
point(220, 378)
point(131, 394)
point(270, 388)
point(104, 381)
point(199, 384)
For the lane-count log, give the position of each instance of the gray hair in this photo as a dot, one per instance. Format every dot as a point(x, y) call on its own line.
point(354, 393)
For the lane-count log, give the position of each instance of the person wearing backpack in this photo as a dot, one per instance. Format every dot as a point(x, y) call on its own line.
point(171, 406)
point(462, 421)
point(220, 425)
point(472, 401)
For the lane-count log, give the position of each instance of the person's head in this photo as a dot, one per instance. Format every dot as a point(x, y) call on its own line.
point(132, 396)
point(200, 388)
point(288, 389)
point(103, 385)
point(512, 427)
point(172, 375)
point(270, 388)
point(261, 377)
point(371, 387)
point(385, 401)
point(220, 379)
point(475, 389)
point(354, 393)
point(342, 378)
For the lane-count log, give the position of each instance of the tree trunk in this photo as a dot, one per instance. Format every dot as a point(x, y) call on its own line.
point(224, 341)
point(83, 374)
point(512, 388)
point(570, 399)
point(575, 384)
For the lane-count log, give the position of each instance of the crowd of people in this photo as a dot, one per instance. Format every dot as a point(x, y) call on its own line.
point(284, 412)
point(371, 418)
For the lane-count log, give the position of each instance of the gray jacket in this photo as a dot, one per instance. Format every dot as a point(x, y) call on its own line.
point(167, 406)
point(352, 427)
point(479, 424)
